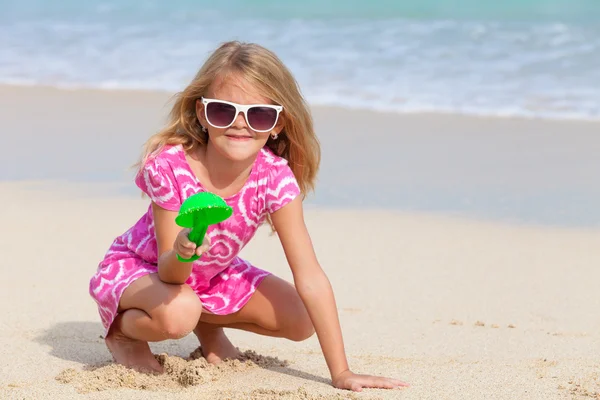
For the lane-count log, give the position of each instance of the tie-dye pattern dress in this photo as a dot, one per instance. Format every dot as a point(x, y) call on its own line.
point(223, 281)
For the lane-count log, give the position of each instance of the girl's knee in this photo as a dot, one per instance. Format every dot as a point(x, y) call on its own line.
point(300, 326)
point(180, 316)
point(302, 329)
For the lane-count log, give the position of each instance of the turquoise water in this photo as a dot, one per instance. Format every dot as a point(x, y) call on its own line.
point(534, 57)
point(525, 10)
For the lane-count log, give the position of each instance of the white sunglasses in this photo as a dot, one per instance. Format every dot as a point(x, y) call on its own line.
point(259, 117)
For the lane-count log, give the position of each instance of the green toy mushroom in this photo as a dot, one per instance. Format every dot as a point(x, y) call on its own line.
point(198, 212)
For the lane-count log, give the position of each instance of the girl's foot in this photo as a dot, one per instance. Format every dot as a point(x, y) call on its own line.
point(216, 347)
point(131, 353)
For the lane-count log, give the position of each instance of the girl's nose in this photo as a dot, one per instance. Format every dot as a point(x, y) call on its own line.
point(240, 121)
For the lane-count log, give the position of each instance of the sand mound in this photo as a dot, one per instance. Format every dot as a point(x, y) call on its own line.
point(179, 373)
point(584, 387)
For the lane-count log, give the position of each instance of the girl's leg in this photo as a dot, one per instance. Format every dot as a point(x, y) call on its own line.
point(150, 311)
point(275, 309)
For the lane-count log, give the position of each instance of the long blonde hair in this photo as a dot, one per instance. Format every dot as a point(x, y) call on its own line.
point(297, 142)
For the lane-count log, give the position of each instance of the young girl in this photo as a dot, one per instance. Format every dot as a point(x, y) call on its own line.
point(241, 130)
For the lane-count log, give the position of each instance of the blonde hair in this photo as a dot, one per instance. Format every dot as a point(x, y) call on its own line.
point(297, 142)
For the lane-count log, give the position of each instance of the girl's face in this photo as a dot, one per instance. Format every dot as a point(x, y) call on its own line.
point(237, 142)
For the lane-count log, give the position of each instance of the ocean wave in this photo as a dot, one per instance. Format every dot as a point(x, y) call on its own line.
point(548, 70)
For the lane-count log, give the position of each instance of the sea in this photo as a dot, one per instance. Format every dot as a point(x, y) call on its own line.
point(537, 58)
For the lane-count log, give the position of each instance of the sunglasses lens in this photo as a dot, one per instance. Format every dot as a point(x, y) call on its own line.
point(220, 114)
point(262, 118)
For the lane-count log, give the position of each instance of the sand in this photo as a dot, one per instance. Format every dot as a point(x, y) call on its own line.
point(460, 308)
point(179, 373)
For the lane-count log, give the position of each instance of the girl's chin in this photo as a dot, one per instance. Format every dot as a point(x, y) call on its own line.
point(239, 153)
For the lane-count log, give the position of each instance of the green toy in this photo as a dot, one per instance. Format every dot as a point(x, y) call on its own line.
point(198, 212)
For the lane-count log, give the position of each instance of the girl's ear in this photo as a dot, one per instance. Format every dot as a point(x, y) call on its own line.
point(279, 125)
point(200, 113)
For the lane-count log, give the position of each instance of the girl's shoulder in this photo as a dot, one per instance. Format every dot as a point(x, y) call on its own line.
point(273, 168)
point(277, 180)
point(169, 160)
point(268, 161)
point(169, 156)
point(162, 174)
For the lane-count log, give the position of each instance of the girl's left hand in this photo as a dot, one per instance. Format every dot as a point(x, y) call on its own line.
point(351, 381)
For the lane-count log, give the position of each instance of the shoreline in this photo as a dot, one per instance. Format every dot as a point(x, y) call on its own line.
point(418, 113)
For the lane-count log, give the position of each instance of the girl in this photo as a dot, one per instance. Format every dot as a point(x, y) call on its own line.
point(241, 130)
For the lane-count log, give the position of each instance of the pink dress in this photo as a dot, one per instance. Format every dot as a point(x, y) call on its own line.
point(223, 281)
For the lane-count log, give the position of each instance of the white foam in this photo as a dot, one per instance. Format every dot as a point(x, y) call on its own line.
point(543, 70)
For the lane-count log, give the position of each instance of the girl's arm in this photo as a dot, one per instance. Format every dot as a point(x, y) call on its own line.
point(311, 283)
point(315, 291)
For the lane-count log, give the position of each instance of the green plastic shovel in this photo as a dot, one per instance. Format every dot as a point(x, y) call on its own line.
point(198, 212)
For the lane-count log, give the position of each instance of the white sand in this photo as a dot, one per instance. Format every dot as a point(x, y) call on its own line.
point(459, 308)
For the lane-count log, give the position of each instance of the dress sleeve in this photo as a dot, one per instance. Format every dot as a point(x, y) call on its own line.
point(157, 180)
point(282, 187)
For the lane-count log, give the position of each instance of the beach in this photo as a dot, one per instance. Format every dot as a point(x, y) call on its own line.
point(463, 252)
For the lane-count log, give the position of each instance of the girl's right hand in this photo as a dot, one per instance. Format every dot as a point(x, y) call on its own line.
point(186, 248)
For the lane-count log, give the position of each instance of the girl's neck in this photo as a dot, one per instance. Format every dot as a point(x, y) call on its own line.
point(224, 175)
